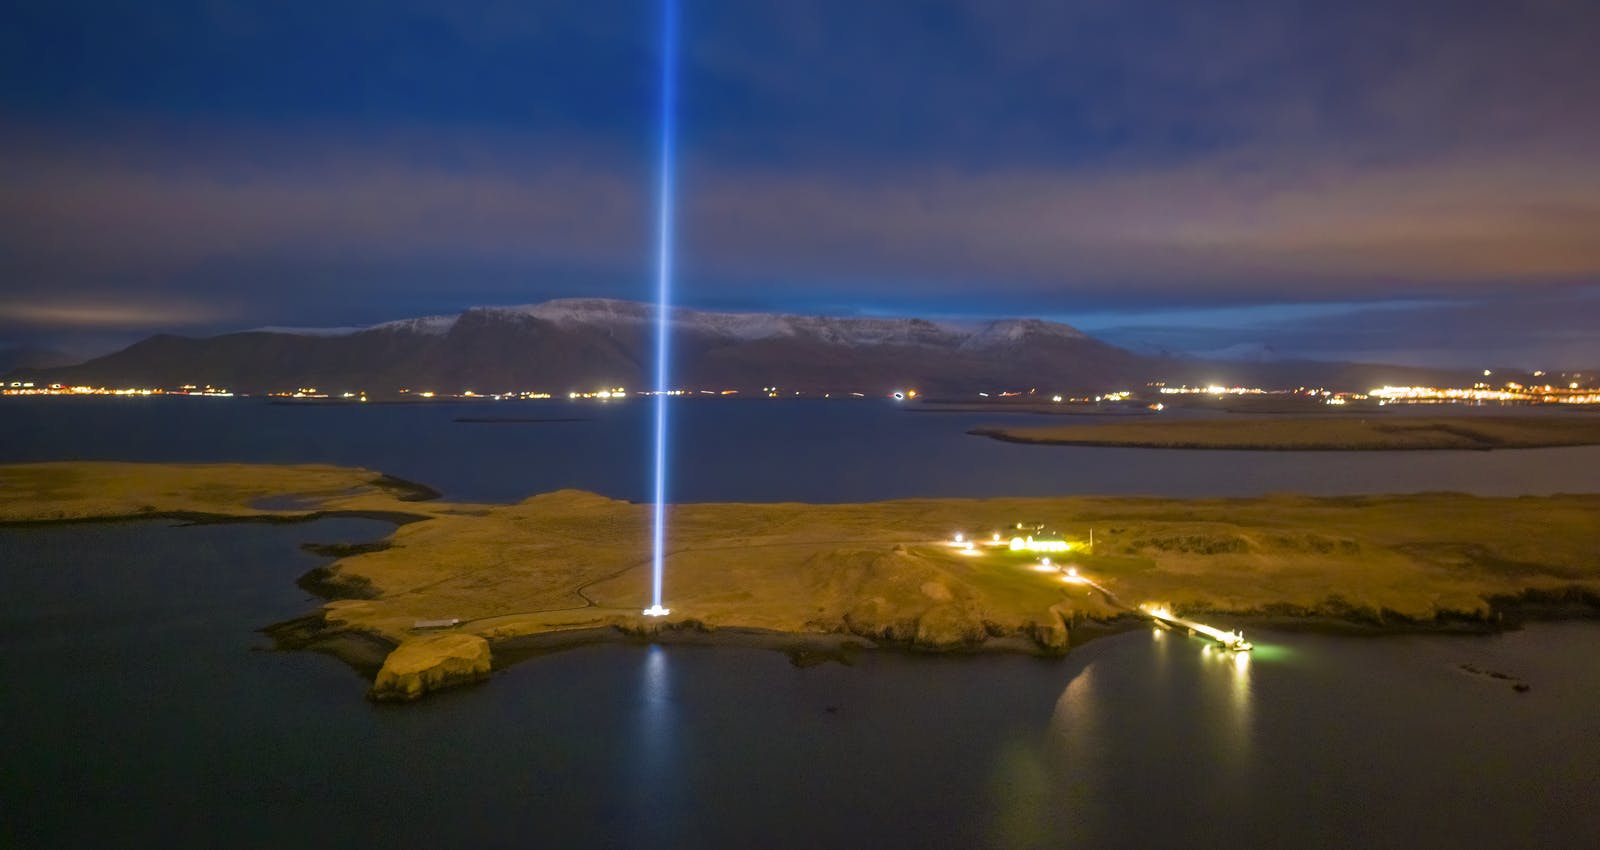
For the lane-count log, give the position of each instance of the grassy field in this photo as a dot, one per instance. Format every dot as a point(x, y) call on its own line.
point(882, 572)
point(68, 492)
point(1319, 433)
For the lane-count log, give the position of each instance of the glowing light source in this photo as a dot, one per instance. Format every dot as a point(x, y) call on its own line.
point(664, 210)
point(1028, 544)
point(1231, 641)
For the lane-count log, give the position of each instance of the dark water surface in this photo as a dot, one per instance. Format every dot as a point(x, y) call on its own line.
point(736, 450)
point(135, 713)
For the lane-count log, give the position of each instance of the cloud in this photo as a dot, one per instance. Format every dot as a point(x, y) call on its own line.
point(1550, 331)
point(107, 314)
point(1041, 81)
point(1221, 228)
point(1326, 231)
point(79, 211)
point(964, 155)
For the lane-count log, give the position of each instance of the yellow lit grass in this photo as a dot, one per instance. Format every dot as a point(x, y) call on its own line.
point(43, 492)
point(570, 560)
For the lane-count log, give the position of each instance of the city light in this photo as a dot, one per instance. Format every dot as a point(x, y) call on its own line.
point(20, 388)
point(1546, 394)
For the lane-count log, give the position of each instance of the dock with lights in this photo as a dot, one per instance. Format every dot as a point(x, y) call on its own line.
point(1034, 538)
point(1230, 641)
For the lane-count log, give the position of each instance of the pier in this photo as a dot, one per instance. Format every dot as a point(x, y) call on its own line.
point(1231, 641)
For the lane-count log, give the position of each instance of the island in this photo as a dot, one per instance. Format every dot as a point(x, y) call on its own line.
point(1318, 433)
point(459, 589)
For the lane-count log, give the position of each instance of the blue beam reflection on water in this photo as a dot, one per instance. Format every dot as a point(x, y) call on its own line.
point(656, 806)
point(664, 228)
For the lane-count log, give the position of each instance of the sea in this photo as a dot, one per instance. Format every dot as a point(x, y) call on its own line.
point(140, 706)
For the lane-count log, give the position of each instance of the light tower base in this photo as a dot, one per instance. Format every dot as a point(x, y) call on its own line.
point(657, 611)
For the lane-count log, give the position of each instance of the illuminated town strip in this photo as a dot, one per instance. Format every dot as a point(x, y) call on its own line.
point(1573, 393)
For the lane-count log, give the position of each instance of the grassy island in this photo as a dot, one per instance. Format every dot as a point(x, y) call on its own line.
point(458, 587)
point(1319, 433)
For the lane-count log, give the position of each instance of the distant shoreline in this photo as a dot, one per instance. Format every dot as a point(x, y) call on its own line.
point(1341, 433)
point(1034, 408)
point(518, 420)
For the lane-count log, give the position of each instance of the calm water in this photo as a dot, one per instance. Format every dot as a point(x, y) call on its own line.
point(135, 714)
point(133, 711)
point(754, 450)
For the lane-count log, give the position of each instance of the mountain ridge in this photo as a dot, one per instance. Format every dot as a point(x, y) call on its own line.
point(583, 344)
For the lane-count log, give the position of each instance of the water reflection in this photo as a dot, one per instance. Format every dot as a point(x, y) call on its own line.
point(1020, 797)
point(1225, 694)
point(1242, 708)
point(655, 750)
point(1075, 708)
point(655, 710)
point(1078, 756)
point(1161, 649)
point(1167, 709)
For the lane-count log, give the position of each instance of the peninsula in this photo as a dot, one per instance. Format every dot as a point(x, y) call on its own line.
point(458, 588)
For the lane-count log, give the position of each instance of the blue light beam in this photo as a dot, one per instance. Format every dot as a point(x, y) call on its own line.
point(665, 201)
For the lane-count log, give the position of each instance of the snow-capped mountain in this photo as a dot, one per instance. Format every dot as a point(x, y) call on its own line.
point(596, 312)
point(579, 344)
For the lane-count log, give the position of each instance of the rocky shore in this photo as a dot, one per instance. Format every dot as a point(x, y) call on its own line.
point(429, 663)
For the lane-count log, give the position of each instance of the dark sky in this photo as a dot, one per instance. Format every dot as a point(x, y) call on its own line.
point(1411, 181)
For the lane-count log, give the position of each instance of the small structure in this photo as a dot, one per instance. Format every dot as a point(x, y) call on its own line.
point(428, 625)
point(1034, 537)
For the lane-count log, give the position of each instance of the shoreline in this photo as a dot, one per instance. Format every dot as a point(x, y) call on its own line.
point(365, 652)
point(187, 518)
point(1314, 433)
